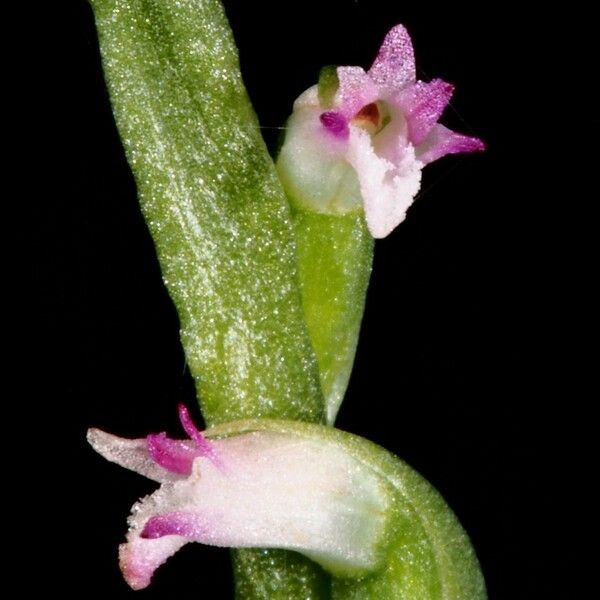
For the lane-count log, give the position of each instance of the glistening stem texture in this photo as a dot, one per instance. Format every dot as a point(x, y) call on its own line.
point(214, 206)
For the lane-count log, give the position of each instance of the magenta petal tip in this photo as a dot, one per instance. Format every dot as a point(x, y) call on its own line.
point(205, 448)
point(177, 523)
point(335, 123)
point(176, 456)
point(394, 66)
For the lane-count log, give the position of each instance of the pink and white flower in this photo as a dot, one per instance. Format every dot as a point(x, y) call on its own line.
point(258, 489)
point(361, 139)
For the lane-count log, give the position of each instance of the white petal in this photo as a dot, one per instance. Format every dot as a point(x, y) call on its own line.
point(274, 491)
point(313, 169)
point(131, 454)
point(286, 492)
point(388, 189)
point(139, 558)
point(308, 99)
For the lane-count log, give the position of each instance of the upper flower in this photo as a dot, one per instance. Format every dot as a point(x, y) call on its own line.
point(259, 489)
point(361, 138)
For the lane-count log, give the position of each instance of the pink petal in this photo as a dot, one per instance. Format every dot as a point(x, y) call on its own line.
point(174, 455)
point(356, 89)
point(205, 447)
point(423, 104)
point(139, 558)
point(442, 141)
point(335, 123)
point(186, 524)
point(188, 425)
point(394, 66)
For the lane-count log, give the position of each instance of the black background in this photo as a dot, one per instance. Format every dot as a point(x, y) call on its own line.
point(462, 311)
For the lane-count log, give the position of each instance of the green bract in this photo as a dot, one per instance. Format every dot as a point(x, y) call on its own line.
point(335, 254)
point(424, 554)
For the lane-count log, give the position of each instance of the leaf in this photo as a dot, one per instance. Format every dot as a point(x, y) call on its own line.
point(214, 206)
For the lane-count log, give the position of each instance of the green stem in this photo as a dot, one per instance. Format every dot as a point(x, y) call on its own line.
point(278, 575)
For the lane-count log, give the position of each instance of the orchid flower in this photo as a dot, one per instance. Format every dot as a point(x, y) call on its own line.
point(261, 489)
point(270, 305)
point(366, 517)
point(362, 138)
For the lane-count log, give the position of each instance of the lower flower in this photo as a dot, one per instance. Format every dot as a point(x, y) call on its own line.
point(365, 516)
point(257, 489)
